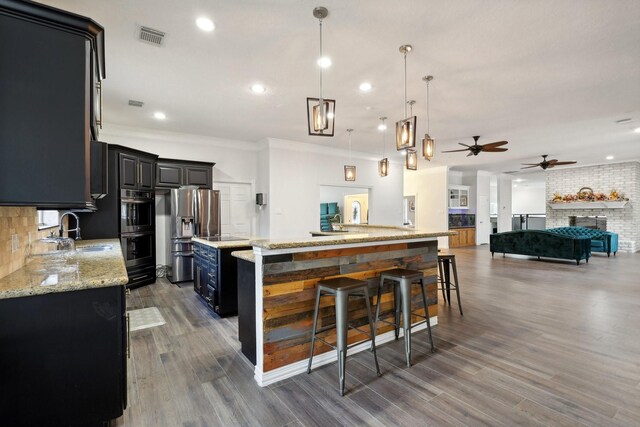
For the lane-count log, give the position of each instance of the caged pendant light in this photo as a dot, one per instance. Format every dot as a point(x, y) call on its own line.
point(321, 111)
point(428, 143)
point(406, 128)
point(383, 165)
point(412, 159)
point(349, 170)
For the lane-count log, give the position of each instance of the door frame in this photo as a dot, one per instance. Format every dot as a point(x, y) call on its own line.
point(252, 191)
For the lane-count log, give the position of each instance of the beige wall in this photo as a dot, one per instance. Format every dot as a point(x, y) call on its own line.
point(22, 221)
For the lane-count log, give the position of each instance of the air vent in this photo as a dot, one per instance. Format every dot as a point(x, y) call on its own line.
point(151, 36)
point(133, 103)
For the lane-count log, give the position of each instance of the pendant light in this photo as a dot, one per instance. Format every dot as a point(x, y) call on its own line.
point(412, 159)
point(349, 170)
point(428, 143)
point(383, 165)
point(321, 111)
point(406, 128)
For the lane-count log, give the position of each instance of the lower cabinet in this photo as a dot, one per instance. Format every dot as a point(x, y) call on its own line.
point(64, 357)
point(247, 308)
point(466, 237)
point(215, 277)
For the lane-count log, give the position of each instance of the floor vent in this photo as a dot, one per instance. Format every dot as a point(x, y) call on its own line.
point(135, 103)
point(151, 36)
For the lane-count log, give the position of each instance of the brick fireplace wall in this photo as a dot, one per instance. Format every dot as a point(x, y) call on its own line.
point(624, 177)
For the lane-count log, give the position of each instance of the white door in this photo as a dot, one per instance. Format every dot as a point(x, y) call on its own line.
point(483, 221)
point(235, 209)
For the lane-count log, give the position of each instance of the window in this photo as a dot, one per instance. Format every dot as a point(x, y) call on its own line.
point(47, 219)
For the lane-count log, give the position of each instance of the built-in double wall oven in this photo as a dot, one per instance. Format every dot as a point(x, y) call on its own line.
point(137, 233)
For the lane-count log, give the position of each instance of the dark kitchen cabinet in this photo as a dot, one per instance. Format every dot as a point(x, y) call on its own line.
point(215, 280)
point(172, 173)
point(136, 172)
point(65, 358)
point(49, 62)
point(247, 308)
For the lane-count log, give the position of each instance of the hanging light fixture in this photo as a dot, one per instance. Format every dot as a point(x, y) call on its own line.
point(383, 165)
point(349, 170)
point(406, 128)
point(321, 111)
point(428, 143)
point(412, 159)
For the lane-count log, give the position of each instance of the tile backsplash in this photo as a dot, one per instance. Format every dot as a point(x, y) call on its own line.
point(23, 223)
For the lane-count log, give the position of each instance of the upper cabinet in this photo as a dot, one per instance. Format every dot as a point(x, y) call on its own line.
point(137, 171)
point(50, 63)
point(459, 196)
point(171, 173)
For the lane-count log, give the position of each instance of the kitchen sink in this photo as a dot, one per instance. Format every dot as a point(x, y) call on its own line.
point(95, 248)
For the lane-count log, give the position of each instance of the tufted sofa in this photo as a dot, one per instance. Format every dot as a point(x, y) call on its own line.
point(601, 241)
point(541, 243)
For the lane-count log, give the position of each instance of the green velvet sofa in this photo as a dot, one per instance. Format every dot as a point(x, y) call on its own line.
point(601, 241)
point(541, 243)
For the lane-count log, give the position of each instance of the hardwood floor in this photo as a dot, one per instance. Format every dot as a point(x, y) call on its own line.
point(541, 343)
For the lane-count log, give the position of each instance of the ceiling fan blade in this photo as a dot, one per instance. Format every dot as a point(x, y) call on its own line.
point(495, 144)
point(529, 167)
point(470, 153)
point(494, 150)
point(453, 151)
point(552, 161)
point(464, 144)
point(530, 164)
point(563, 163)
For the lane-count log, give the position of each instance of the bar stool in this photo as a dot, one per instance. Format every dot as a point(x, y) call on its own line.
point(445, 261)
point(402, 280)
point(342, 288)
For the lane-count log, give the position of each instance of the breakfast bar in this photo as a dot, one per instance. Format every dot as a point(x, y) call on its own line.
point(286, 274)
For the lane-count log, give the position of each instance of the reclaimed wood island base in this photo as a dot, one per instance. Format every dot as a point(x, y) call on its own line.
point(286, 277)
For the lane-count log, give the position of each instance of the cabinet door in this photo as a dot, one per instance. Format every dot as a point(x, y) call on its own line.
point(168, 175)
point(146, 179)
point(198, 175)
point(128, 172)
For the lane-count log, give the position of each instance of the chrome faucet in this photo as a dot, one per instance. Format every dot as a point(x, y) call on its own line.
point(77, 229)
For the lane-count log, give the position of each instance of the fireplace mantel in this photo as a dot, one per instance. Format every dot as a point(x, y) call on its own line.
point(588, 205)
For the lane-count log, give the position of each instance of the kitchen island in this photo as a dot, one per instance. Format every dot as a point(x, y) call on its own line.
point(63, 337)
point(286, 273)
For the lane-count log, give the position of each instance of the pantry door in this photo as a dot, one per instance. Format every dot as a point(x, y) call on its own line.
point(236, 206)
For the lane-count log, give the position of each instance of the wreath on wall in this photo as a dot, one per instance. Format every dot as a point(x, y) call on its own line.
point(586, 194)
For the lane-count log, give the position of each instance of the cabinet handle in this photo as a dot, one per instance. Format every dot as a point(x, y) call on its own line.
point(128, 337)
point(99, 87)
point(138, 173)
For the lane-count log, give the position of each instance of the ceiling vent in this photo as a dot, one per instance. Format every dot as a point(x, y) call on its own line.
point(151, 36)
point(133, 103)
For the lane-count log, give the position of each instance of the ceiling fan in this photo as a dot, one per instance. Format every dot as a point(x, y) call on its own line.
point(493, 147)
point(545, 164)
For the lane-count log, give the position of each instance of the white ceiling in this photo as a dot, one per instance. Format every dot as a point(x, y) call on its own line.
point(551, 76)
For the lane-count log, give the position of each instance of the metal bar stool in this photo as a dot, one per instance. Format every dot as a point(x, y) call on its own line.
point(402, 280)
point(342, 288)
point(445, 261)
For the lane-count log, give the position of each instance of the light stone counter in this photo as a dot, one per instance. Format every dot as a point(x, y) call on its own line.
point(377, 234)
point(245, 255)
point(67, 271)
point(225, 244)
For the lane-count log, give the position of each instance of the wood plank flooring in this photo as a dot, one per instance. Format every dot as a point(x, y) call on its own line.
point(541, 343)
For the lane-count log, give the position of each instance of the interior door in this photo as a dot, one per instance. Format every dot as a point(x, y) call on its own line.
point(483, 222)
point(236, 207)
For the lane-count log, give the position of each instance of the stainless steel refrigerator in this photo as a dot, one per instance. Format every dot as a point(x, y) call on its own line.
point(193, 212)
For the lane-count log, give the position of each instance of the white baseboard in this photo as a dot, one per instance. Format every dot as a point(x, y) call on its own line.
point(266, 378)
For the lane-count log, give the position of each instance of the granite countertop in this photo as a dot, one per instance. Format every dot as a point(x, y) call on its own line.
point(389, 234)
point(225, 243)
point(63, 271)
point(453, 227)
point(247, 255)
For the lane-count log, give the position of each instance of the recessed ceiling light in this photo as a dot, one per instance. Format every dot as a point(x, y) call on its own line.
point(330, 116)
point(609, 157)
point(159, 115)
point(519, 180)
point(382, 126)
point(205, 24)
point(637, 130)
point(515, 185)
point(324, 62)
point(365, 87)
point(258, 89)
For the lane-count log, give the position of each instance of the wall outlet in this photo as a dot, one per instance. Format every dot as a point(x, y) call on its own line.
point(15, 243)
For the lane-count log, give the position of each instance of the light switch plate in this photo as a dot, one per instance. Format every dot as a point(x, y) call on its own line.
point(15, 243)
